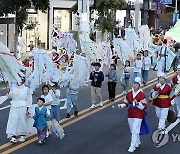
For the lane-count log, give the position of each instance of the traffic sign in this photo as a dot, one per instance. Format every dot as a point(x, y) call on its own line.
point(166, 1)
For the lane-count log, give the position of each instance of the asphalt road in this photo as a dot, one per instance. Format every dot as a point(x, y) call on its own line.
point(100, 131)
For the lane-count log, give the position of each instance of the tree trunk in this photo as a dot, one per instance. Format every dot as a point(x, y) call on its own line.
point(16, 33)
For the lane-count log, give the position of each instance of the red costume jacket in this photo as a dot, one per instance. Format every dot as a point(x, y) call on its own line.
point(29, 64)
point(166, 95)
point(56, 59)
point(134, 112)
point(175, 80)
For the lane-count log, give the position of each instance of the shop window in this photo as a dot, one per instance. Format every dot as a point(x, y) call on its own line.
point(62, 20)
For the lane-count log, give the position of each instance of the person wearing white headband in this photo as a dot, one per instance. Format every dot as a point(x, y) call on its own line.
point(176, 84)
point(136, 101)
point(162, 97)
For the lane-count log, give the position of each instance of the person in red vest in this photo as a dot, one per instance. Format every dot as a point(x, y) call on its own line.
point(55, 57)
point(30, 61)
point(136, 101)
point(176, 84)
point(161, 97)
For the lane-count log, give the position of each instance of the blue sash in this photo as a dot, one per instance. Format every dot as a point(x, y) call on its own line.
point(145, 127)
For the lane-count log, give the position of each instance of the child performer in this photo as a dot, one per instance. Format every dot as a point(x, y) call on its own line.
point(40, 120)
point(112, 80)
point(47, 96)
point(146, 65)
point(71, 96)
point(136, 101)
point(48, 99)
point(137, 67)
point(162, 96)
point(55, 106)
point(125, 77)
point(176, 84)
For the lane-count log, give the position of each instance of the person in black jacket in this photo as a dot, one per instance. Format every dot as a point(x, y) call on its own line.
point(97, 77)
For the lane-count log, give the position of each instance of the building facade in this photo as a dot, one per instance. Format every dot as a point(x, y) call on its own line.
point(39, 25)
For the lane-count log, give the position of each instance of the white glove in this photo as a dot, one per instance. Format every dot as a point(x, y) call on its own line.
point(121, 106)
point(158, 85)
point(173, 102)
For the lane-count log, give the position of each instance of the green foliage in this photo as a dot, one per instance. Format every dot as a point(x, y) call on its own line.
point(19, 7)
point(106, 12)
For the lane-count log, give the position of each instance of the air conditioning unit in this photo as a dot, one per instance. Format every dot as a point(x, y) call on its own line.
point(152, 6)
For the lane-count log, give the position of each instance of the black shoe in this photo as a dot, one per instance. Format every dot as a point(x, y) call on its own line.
point(68, 115)
point(75, 113)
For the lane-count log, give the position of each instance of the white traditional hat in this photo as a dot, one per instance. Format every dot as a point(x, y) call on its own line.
point(53, 51)
point(162, 74)
point(137, 80)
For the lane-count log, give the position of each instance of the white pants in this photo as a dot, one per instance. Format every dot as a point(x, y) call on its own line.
point(161, 65)
point(134, 125)
point(162, 114)
point(177, 102)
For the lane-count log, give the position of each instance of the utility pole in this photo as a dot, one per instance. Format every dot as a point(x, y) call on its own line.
point(176, 11)
point(83, 10)
point(137, 9)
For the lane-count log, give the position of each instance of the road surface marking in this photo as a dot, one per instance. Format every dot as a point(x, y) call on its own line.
point(84, 116)
point(5, 107)
point(171, 126)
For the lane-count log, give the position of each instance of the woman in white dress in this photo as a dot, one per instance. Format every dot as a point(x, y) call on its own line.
point(18, 121)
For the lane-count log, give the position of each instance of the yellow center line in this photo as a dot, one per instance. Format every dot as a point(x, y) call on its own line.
point(73, 121)
point(119, 95)
point(81, 112)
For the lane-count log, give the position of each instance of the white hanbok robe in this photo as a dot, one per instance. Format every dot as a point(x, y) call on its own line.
point(18, 122)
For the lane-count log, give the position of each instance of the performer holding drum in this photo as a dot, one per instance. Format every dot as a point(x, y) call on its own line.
point(162, 96)
point(176, 84)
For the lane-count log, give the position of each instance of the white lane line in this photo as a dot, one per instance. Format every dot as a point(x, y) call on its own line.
point(5, 107)
point(170, 127)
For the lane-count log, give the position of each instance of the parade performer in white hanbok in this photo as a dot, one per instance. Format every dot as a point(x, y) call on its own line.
point(18, 122)
point(166, 57)
point(176, 84)
point(137, 121)
point(21, 44)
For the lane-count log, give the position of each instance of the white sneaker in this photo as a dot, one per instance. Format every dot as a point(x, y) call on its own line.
point(40, 142)
point(47, 134)
point(101, 104)
point(131, 149)
point(124, 92)
point(22, 139)
point(138, 143)
point(93, 106)
point(13, 140)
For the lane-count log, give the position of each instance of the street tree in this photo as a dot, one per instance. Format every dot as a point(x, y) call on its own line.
point(106, 11)
point(20, 9)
